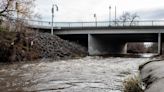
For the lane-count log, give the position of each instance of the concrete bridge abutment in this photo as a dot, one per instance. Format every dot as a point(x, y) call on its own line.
point(159, 43)
point(103, 45)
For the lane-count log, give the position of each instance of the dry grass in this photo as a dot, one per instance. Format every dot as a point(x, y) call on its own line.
point(133, 84)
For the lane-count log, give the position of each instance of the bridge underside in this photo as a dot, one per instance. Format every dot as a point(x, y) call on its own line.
point(102, 44)
point(99, 45)
point(101, 41)
point(81, 39)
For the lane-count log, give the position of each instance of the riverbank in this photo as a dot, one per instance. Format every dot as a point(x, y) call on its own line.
point(152, 74)
point(18, 47)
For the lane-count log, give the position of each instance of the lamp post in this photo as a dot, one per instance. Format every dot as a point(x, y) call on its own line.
point(110, 16)
point(52, 31)
point(95, 17)
point(115, 15)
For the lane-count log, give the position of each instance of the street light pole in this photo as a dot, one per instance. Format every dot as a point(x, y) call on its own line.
point(95, 17)
point(110, 16)
point(52, 31)
point(115, 15)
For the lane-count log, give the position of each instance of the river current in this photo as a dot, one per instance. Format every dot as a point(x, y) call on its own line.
point(89, 74)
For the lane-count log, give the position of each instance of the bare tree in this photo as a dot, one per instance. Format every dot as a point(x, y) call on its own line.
point(15, 11)
point(136, 48)
point(153, 48)
point(21, 8)
point(133, 18)
point(125, 18)
point(128, 19)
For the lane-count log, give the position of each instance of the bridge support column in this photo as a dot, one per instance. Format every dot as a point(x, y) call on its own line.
point(159, 44)
point(100, 45)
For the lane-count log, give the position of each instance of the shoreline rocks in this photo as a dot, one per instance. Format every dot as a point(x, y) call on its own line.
point(51, 46)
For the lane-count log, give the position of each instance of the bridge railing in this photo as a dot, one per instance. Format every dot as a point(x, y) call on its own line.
point(96, 24)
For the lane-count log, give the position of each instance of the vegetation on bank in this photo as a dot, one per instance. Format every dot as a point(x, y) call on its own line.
point(14, 47)
point(141, 48)
point(136, 48)
point(133, 84)
point(25, 46)
point(19, 43)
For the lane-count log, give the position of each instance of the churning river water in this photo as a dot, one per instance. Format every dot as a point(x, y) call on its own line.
point(89, 74)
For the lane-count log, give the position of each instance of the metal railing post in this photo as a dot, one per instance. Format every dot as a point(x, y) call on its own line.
point(69, 25)
point(82, 24)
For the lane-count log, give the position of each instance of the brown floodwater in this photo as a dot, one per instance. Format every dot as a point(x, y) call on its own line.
point(89, 74)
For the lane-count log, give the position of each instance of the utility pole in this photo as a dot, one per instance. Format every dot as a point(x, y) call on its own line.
point(115, 15)
point(110, 16)
point(52, 31)
point(95, 17)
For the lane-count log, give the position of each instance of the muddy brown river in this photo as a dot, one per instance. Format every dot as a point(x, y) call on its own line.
point(89, 74)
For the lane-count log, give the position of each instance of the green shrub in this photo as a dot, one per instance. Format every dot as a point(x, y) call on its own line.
point(133, 84)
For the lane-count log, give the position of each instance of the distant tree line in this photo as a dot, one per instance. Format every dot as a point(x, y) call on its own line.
point(136, 48)
point(141, 48)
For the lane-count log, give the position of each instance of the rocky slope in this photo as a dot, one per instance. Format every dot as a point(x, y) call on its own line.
point(24, 47)
point(51, 46)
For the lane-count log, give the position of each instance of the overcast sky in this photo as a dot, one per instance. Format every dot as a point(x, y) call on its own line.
point(83, 10)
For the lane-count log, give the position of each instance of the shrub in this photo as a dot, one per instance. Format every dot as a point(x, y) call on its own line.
point(15, 48)
point(153, 48)
point(133, 84)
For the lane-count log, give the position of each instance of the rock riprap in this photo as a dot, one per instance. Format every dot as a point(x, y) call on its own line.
point(51, 46)
point(15, 46)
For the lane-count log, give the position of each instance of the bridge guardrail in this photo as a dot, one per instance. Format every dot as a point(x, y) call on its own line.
point(96, 24)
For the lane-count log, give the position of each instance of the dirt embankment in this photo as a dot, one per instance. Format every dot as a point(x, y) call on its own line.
point(152, 74)
point(16, 46)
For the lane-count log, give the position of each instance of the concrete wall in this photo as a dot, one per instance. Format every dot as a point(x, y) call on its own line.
point(102, 45)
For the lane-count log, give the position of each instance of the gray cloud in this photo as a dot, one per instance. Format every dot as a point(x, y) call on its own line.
point(152, 14)
point(83, 10)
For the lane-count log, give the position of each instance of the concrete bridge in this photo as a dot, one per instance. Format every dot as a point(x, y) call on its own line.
point(106, 37)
